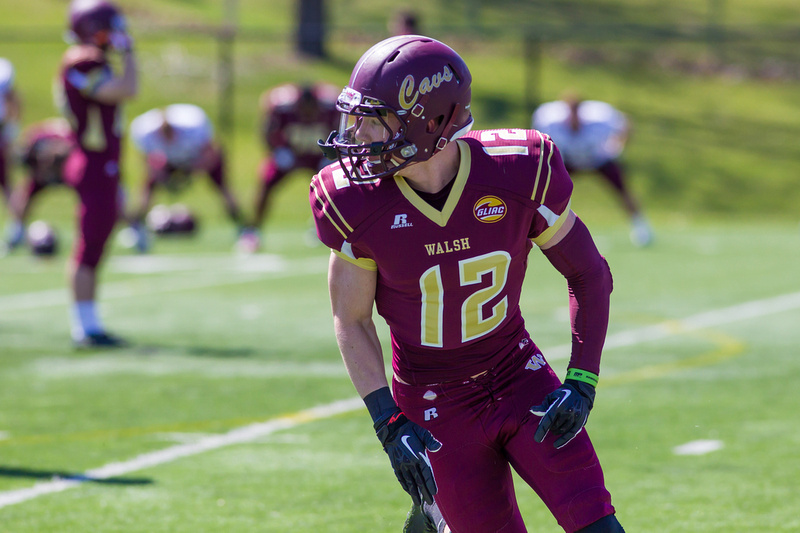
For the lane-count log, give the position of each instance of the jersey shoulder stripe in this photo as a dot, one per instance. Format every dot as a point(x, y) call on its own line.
point(525, 162)
point(343, 209)
point(544, 172)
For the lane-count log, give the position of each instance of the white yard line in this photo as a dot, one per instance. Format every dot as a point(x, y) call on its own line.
point(249, 433)
point(240, 435)
point(705, 320)
point(698, 447)
point(232, 273)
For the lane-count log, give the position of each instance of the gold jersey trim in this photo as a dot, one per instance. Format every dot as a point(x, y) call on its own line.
point(441, 217)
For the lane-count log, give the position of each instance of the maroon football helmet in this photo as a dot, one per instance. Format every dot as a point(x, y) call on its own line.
point(87, 18)
point(418, 89)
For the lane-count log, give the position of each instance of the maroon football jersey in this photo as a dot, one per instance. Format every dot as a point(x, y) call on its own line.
point(449, 281)
point(298, 125)
point(97, 126)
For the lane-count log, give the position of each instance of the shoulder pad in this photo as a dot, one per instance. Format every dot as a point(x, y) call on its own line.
point(342, 207)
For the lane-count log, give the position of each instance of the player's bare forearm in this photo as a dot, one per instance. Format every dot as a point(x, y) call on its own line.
point(364, 363)
point(123, 87)
point(352, 292)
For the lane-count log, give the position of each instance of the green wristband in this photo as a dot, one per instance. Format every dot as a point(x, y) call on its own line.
point(583, 375)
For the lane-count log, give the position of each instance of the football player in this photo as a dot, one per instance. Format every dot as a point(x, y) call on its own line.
point(45, 147)
point(293, 118)
point(92, 95)
point(591, 136)
point(10, 109)
point(176, 142)
point(404, 22)
point(431, 224)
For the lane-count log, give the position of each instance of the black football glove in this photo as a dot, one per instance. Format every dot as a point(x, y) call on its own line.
point(407, 446)
point(564, 411)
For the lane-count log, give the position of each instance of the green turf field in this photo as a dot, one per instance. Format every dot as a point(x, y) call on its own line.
point(203, 425)
point(232, 411)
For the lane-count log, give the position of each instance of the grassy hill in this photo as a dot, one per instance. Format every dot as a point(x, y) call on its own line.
point(711, 87)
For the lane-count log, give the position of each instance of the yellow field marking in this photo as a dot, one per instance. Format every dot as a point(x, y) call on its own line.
point(145, 431)
point(728, 347)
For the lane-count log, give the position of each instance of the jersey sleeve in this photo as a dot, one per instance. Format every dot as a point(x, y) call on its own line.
point(334, 221)
point(552, 192)
point(86, 76)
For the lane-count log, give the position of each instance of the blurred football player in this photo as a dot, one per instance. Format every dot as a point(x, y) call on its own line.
point(293, 119)
point(92, 94)
point(177, 142)
point(591, 136)
point(431, 225)
point(404, 22)
point(10, 110)
point(46, 146)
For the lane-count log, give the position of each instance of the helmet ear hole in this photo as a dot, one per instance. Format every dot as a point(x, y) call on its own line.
point(434, 124)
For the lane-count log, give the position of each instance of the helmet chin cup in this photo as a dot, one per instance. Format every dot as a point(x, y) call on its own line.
point(408, 151)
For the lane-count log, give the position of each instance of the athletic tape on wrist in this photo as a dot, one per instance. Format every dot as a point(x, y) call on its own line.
point(583, 375)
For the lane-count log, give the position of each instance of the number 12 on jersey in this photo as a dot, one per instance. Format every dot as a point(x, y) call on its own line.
point(475, 322)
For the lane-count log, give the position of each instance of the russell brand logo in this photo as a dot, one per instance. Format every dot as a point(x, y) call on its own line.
point(401, 221)
point(490, 209)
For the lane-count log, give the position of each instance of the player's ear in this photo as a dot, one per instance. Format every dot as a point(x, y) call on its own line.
point(434, 123)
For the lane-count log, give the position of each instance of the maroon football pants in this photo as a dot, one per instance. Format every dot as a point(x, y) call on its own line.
point(96, 180)
point(486, 429)
point(611, 171)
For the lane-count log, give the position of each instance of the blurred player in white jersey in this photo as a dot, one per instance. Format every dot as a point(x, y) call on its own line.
point(591, 136)
point(9, 121)
point(178, 141)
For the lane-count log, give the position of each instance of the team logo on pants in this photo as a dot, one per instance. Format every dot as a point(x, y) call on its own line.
point(535, 362)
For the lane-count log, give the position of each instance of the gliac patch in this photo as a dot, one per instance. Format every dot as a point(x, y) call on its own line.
point(490, 209)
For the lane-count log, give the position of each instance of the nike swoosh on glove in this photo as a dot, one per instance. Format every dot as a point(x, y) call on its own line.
point(407, 445)
point(564, 411)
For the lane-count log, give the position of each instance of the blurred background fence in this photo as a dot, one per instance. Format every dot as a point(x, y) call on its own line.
point(704, 43)
point(696, 77)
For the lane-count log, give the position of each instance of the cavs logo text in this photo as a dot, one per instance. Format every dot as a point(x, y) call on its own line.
point(409, 94)
point(490, 209)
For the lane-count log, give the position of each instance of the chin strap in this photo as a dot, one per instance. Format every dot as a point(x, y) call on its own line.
point(443, 141)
